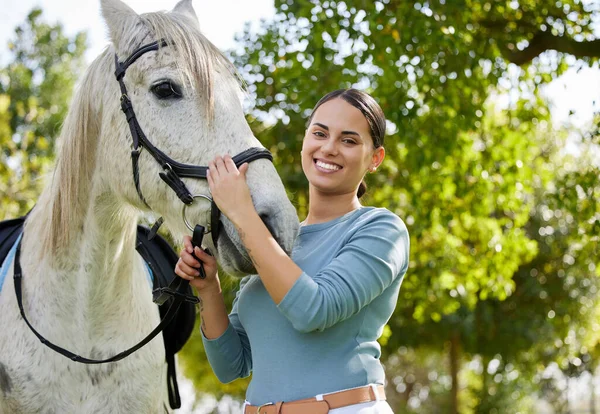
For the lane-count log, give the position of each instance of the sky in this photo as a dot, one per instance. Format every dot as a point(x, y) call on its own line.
point(220, 20)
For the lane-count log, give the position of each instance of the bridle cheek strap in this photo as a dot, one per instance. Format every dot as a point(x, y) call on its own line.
point(137, 134)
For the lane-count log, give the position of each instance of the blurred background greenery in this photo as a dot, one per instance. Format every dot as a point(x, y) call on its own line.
point(499, 311)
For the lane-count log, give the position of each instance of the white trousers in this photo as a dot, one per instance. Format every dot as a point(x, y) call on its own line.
point(373, 407)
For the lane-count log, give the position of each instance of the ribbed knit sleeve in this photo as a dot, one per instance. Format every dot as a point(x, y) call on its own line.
point(229, 355)
point(374, 256)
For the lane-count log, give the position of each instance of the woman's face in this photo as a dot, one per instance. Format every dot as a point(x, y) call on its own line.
point(338, 149)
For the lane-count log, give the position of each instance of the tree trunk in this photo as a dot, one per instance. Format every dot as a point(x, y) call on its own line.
point(484, 395)
point(454, 369)
point(592, 394)
point(568, 405)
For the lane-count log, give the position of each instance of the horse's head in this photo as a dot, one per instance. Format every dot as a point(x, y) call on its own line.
point(186, 98)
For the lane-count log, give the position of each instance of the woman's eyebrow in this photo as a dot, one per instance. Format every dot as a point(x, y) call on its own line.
point(325, 127)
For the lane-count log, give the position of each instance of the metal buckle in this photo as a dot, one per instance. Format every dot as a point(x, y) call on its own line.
point(262, 406)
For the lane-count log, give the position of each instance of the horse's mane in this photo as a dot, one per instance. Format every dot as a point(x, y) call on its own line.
point(68, 194)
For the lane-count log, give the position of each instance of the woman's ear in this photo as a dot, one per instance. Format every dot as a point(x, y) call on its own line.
point(377, 158)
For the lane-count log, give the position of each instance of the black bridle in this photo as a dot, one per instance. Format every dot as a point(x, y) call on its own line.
point(172, 173)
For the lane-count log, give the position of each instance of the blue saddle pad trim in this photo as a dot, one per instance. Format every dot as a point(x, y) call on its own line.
point(8, 261)
point(149, 273)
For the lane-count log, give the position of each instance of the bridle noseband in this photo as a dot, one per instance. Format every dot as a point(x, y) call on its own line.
point(173, 171)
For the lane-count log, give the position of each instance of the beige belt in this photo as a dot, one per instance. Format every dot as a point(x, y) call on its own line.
point(316, 405)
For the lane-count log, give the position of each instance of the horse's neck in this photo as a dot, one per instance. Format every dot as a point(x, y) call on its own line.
point(98, 274)
point(108, 258)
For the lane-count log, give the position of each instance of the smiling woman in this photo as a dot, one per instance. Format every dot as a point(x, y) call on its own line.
point(306, 326)
point(354, 120)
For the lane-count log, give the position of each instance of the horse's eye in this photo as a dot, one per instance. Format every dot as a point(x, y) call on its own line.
point(166, 90)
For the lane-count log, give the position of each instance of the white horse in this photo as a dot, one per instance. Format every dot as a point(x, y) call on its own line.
point(84, 286)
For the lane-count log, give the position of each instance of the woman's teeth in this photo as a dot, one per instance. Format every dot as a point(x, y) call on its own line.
point(331, 167)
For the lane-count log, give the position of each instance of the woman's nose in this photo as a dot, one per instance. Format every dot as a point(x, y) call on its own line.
point(330, 146)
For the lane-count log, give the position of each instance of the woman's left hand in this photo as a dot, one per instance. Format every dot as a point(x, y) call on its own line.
point(229, 188)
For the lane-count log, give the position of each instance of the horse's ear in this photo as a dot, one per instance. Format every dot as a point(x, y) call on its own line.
point(185, 7)
point(118, 17)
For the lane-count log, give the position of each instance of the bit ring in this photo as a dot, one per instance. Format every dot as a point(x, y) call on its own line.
point(185, 220)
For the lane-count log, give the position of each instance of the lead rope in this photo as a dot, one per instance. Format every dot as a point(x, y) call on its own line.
point(177, 288)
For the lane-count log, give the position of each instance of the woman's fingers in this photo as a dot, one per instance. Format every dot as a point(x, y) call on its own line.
point(187, 244)
point(212, 174)
point(228, 187)
point(244, 168)
point(185, 271)
point(188, 259)
point(188, 266)
point(229, 164)
point(221, 166)
point(204, 257)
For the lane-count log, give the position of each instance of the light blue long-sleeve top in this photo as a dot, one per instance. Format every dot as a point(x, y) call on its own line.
point(322, 337)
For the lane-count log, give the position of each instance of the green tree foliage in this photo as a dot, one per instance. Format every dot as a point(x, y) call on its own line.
point(35, 88)
point(510, 348)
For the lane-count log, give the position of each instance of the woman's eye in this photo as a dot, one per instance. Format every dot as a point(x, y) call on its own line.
point(319, 134)
point(166, 90)
point(349, 141)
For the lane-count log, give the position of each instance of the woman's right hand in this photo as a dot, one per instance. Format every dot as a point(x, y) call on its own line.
point(187, 267)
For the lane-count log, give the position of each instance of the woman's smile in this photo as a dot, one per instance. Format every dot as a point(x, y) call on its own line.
point(326, 167)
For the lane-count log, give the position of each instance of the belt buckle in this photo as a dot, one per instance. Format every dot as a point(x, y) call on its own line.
point(262, 406)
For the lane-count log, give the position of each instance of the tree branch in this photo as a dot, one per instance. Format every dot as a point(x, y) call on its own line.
point(543, 41)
